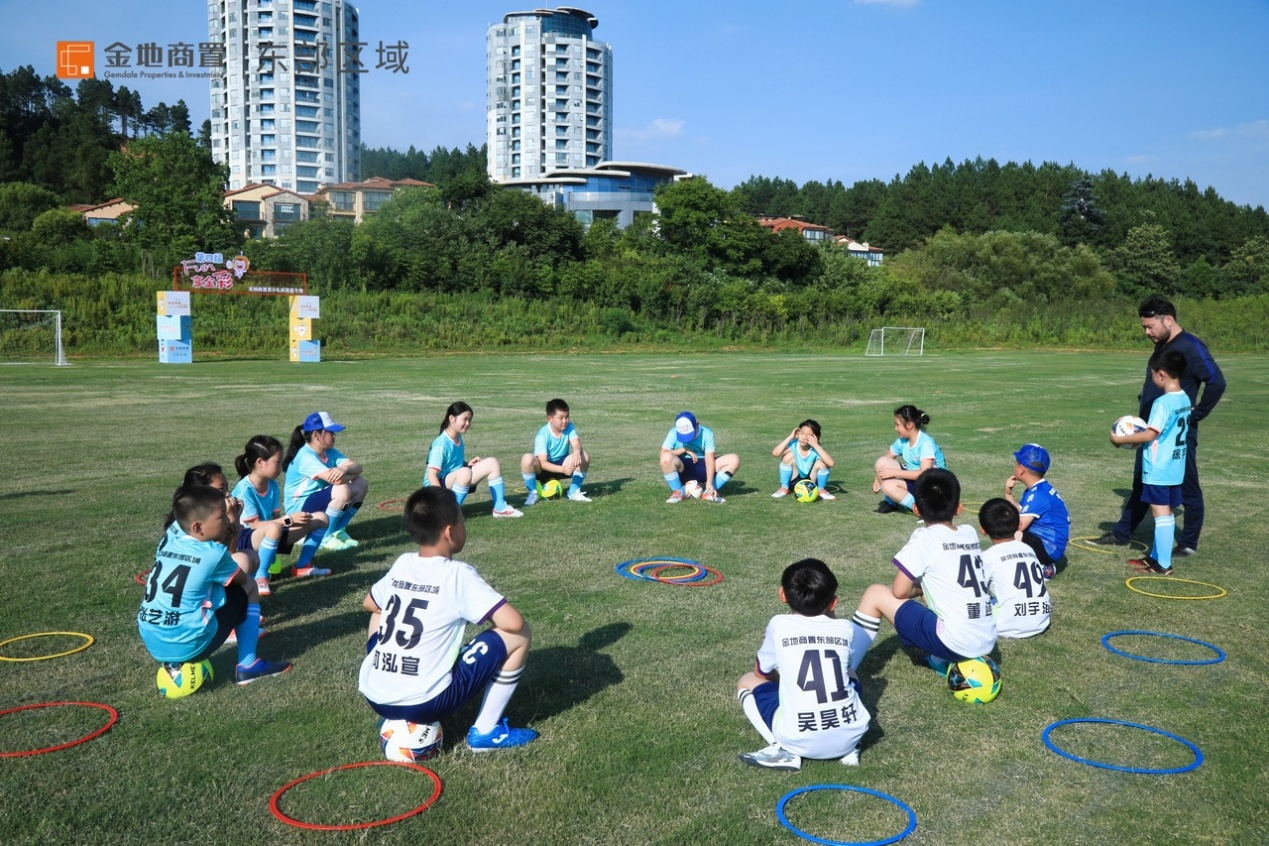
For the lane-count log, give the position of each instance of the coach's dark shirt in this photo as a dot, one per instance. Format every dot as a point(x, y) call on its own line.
point(1200, 368)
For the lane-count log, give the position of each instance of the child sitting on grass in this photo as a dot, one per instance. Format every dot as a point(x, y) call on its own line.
point(1014, 572)
point(802, 456)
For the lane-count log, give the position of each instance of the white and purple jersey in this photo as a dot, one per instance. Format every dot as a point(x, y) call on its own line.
point(301, 475)
point(554, 447)
point(911, 455)
point(947, 562)
point(425, 605)
point(1016, 578)
point(820, 714)
point(1163, 459)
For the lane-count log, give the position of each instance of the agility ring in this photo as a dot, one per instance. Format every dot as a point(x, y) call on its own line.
point(1220, 655)
point(784, 820)
point(114, 718)
point(142, 577)
point(651, 569)
point(972, 507)
point(289, 820)
point(1220, 590)
point(1198, 756)
point(390, 505)
point(1084, 544)
point(88, 641)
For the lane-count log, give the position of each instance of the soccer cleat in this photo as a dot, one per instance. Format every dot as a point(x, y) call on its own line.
point(1146, 564)
point(677, 496)
point(885, 507)
point(348, 542)
point(851, 758)
point(578, 496)
point(780, 494)
point(938, 665)
point(262, 587)
point(333, 543)
point(508, 512)
point(502, 737)
point(259, 669)
point(774, 757)
point(826, 496)
point(531, 499)
point(1183, 551)
point(1108, 539)
point(311, 572)
point(715, 498)
point(1049, 571)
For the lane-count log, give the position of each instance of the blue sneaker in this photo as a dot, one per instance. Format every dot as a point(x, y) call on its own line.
point(938, 665)
point(502, 737)
point(259, 669)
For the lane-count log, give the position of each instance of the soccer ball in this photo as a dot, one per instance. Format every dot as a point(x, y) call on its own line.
point(550, 489)
point(409, 742)
point(189, 678)
point(1128, 425)
point(805, 491)
point(975, 680)
point(693, 489)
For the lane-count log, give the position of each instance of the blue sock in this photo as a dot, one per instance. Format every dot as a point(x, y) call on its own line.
point(578, 478)
point(268, 552)
point(721, 479)
point(350, 511)
point(908, 502)
point(248, 636)
point(821, 479)
point(530, 482)
point(309, 549)
point(672, 479)
point(1164, 534)
point(336, 518)
point(460, 492)
point(496, 491)
point(786, 475)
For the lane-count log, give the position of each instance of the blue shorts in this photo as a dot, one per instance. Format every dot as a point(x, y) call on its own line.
point(1169, 495)
point(918, 626)
point(318, 501)
point(767, 697)
point(693, 468)
point(285, 544)
point(476, 666)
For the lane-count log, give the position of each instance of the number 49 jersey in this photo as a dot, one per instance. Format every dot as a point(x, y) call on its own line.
point(1023, 604)
point(820, 713)
point(425, 605)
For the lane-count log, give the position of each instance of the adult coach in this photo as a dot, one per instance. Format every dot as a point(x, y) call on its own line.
point(1158, 319)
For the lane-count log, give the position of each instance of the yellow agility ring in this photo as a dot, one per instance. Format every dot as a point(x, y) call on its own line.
point(88, 641)
point(1222, 590)
point(1083, 543)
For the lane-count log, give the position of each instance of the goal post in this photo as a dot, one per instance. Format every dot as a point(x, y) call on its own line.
point(30, 335)
point(896, 340)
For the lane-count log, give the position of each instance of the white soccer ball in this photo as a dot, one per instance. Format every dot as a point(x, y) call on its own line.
point(693, 489)
point(409, 742)
point(1128, 425)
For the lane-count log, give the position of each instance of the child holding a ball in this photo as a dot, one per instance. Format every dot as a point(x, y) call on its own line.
point(557, 454)
point(688, 453)
point(912, 453)
point(802, 456)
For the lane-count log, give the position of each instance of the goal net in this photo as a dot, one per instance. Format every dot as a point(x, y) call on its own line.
point(31, 336)
point(896, 340)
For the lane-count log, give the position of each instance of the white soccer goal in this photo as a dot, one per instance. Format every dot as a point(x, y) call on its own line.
point(31, 335)
point(896, 340)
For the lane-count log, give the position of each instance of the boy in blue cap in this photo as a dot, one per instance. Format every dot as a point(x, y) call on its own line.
point(688, 453)
point(1044, 522)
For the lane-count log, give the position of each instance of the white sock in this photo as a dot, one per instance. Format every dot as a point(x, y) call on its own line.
point(863, 633)
point(497, 695)
point(750, 707)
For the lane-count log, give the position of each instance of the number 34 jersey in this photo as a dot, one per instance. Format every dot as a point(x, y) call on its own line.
point(186, 587)
point(425, 605)
point(820, 713)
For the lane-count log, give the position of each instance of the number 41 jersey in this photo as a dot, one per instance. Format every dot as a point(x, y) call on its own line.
point(820, 714)
point(425, 605)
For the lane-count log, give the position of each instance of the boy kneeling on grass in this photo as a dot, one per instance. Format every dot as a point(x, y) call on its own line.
point(418, 616)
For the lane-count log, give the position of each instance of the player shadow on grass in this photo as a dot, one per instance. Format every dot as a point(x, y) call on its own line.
point(559, 678)
point(23, 494)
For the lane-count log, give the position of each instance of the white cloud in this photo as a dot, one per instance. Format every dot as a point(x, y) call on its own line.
point(659, 128)
point(1256, 130)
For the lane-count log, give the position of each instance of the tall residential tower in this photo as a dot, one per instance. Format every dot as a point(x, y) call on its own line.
point(548, 94)
point(286, 109)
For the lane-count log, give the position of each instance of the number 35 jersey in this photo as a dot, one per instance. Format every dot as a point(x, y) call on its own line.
point(425, 605)
point(184, 590)
point(820, 713)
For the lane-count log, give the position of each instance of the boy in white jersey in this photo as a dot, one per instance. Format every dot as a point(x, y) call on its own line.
point(943, 563)
point(1164, 444)
point(557, 454)
point(799, 696)
point(1014, 572)
point(416, 666)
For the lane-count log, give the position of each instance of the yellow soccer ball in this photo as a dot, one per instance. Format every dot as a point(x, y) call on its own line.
point(189, 678)
point(550, 489)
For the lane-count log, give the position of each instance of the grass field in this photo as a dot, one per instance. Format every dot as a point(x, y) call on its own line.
point(631, 685)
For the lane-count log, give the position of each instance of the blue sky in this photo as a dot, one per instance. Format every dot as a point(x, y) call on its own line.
point(837, 89)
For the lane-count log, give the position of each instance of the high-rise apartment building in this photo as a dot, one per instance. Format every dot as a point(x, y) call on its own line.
point(286, 109)
point(548, 94)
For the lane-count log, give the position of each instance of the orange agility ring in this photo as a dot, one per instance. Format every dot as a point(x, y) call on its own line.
point(114, 718)
point(88, 641)
point(277, 811)
point(390, 505)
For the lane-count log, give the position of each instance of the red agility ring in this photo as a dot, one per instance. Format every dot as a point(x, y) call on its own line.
point(277, 812)
point(387, 504)
point(142, 577)
point(655, 575)
point(114, 718)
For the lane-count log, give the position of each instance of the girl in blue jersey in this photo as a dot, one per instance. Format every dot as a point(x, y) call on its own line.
point(912, 453)
point(320, 478)
point(449, 467)
point(266, 533)
point(802, 456)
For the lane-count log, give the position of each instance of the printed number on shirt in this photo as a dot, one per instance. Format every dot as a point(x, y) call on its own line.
point(476, 649)
point(811, 675)
point(1181, 425)
point(970, 573)
point(1026, 578)
point(173, 585)
point(408, 620)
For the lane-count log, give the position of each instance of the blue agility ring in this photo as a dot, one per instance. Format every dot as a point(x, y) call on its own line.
point(626, 568)
point(784, 821)
point(1220, 655)
point(1198, 756)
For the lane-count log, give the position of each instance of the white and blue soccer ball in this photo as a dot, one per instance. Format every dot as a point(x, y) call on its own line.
point(409, 742)
point(693, 489)
point(1128, 425)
